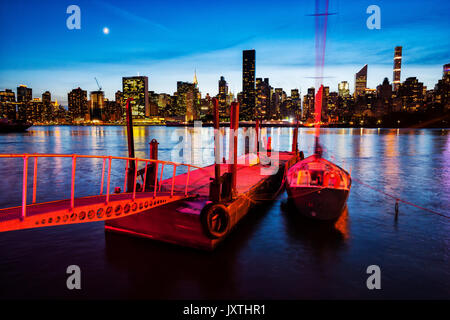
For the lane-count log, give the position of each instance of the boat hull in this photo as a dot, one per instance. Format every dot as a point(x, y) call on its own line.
point(325, 204)
point(17, 127)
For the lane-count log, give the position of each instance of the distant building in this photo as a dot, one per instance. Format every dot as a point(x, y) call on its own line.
point(308, 105)
point(411, 94)
point(442, 88)
point(24, 94)
point(224, 113)
point(397, 67)
point(343, 89)
point(153, 99)
point(247, 110)
point(186, 97)
point(77, 104)
point(136, 88)
point(262, 107)
point(296, 102)
point(97, 106)
point(49, 108)
point(7, 96)
point(384, 98)
point(360, 82)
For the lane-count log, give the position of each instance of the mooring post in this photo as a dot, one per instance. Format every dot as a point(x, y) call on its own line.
point(151, 175)
point(132, 164)
point(214, 187)
point(396, 209)
point(295, 137)
point(234, 127)
point(257, 136)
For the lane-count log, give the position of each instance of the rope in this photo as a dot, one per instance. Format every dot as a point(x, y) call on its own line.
point(401, 200)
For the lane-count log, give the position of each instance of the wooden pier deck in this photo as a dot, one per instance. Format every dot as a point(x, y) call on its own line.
point(180, 223)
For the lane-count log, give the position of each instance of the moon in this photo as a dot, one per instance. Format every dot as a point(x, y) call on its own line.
point(105, 30)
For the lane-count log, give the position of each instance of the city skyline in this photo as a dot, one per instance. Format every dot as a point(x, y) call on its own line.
point(168, 51)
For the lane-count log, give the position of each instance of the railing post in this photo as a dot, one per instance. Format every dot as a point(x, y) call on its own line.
point(103, 176)
point(145, 176)
point(24, 186)
point(35, 179)
point(161, 176)
point(135, 179)
point(72, 196)
point(173, 179)
point(187, 180)
point(156, 179)
point(126, 175)
point(108, 180)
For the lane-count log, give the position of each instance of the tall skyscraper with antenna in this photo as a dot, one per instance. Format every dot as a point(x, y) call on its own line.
point(397, 67)
point(248, 85)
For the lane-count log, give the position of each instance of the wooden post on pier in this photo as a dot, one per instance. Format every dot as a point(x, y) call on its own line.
point(234, 127)
point(295, 137)
point(132, 166)
point(214, 187)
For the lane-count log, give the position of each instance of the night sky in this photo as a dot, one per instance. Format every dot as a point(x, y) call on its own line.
point(168, 40)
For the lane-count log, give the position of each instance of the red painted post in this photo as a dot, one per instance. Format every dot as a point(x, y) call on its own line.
point(173, 179)
point(214, 187)
point(145, 176)
point(108, 180)
point(216, 139)
point(152, 173)
point(24, 186)
point(126, 177)
point(156, 180)
point(154, 149)
point(161, 176)
point(135, 179)
point(103, 176)
point(132, 165)
point(234, 127)
point(35, 179)
point(257, 136)
point(72, 194)
point(187, 181)
point(295, 137)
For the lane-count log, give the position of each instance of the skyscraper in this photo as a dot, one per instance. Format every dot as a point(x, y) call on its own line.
point(222, 97)
point(247, 109)
point(446, 70)
point(136, 88)
point(97, 105)
point(7, 96)
point(78, 104)
point(361, 82)
point(262, 96)
point(344, 89)
point(24, 94)
point(308, 105)
point(397, 67)
point(186, 99)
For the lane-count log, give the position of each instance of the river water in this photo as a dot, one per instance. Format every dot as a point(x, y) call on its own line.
point(272, 254)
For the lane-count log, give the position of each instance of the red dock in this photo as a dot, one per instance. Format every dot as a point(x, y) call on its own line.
point(181, 222)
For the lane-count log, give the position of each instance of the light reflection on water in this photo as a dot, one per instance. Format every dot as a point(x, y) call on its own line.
point(272, 254)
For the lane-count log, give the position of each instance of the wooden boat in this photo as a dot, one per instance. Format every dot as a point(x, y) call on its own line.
point(318, 188)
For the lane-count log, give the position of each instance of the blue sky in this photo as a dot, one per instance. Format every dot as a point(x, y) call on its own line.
point(168, 40)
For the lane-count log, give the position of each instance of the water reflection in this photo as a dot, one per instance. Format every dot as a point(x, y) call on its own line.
point(273, 253)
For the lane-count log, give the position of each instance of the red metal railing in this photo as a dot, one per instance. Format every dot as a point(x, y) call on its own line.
point(74, 157)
